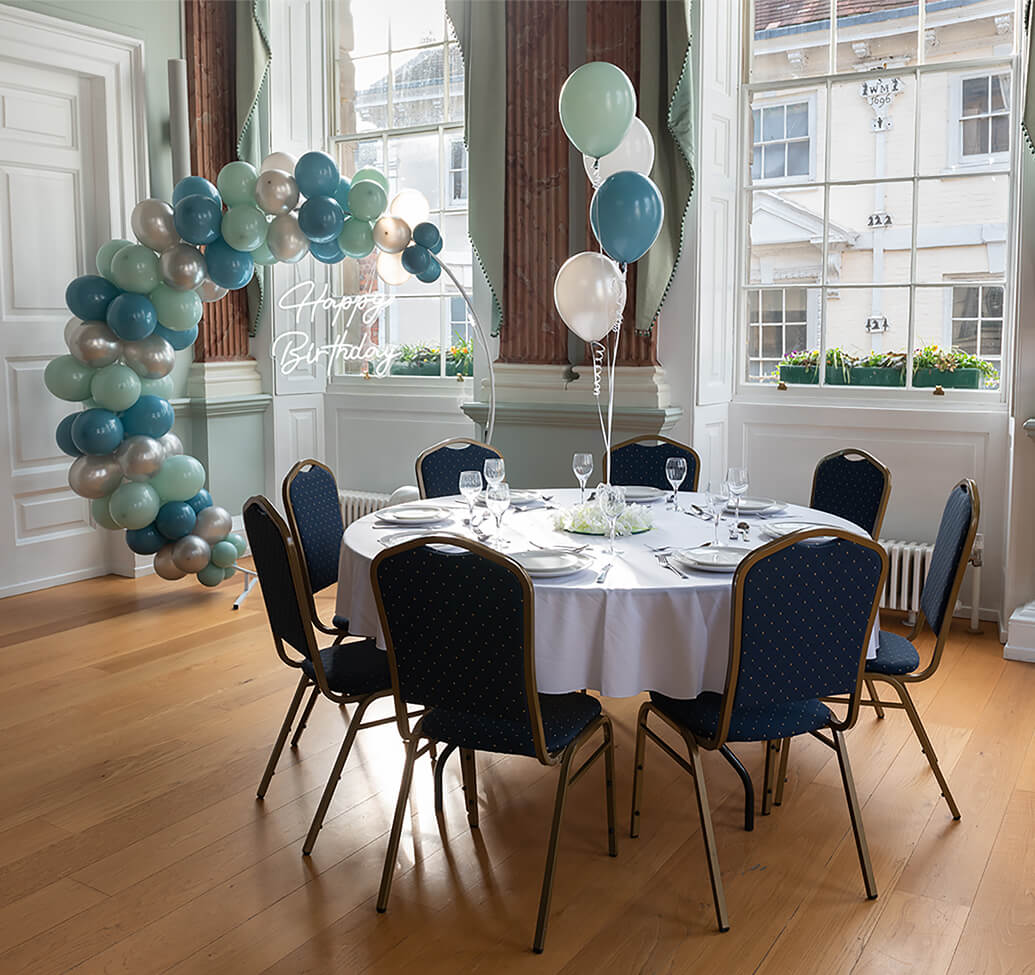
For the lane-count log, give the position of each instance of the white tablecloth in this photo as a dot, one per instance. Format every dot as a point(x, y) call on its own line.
point(643, 629)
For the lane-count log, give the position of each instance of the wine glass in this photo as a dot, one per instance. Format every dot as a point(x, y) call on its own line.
point(675, 472)
point(494, 471)
point(497, 500)
point(717, 494)
point(737, 479)
point(582, 467)
point(470, 488)
point(611, 500)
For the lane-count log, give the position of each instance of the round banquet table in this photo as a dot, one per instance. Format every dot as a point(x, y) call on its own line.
point(644, 628)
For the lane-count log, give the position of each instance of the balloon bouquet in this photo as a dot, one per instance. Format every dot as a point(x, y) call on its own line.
point(145, 303)
point(598, 112)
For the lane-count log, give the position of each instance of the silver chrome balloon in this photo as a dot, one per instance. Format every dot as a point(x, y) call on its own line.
point(213, 524)
point(94, 476)
point(182, 267)
point(286, 240)
point(171, 444)
point(278, 160)
point(391, 234)
point(70, 328)
point(139, 457)
point(149, 358)
point(210, 291)
point(276, 191)
point(164, 565)
point(95, 345)
point(191, 553)
point(153, 226)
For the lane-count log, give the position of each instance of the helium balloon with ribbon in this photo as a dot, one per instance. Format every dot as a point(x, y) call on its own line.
point(626, 214)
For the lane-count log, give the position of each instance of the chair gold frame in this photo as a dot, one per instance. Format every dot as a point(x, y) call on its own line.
point(696, 767)
point(647, 439)
point(412, 736)
point(857, 452)
point(443, 444)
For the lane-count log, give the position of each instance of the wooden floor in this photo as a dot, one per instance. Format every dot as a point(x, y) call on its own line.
point(136, 717)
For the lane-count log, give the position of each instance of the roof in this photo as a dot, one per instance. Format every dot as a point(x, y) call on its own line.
point(772, 15)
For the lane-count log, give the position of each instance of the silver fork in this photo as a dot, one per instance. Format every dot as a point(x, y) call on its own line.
point(602, 575)
point(574, 550)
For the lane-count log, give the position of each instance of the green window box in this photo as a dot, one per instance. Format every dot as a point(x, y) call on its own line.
point(878, 376)
point(954, 379)
point(805, 375)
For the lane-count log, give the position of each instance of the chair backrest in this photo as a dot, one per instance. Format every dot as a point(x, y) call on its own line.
point(458, 627)
point(949, 560)
point(439, 467)
point(314, 515)
point(803, 609)
point(852, 484)
point(641, 460)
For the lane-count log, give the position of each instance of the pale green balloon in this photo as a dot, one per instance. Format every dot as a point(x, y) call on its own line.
point(597, 104)
point(244, 227)
point(162, 388)
point(367, 199)
point(238, 542)
point(91, 404)
point(236, 183)
point(134, 505)
point(135, 268)
point(67, 378)
point(115, 387)
point(369, 172)
point(211, 575)
point(107, 252)
point(179, 478)
point(356, 238)
point(101, 514)
point(229, 571)
point(263, 255)
point(224, 553)
point(178, 310)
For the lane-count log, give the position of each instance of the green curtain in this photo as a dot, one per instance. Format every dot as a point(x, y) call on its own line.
point(666, 107)
point(480, 28)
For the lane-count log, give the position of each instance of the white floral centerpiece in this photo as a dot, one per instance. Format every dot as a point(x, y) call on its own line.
point(588, 519)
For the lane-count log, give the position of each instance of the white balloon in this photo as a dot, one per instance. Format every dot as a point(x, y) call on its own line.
point(410, 206)
point(278, 160)
point(589, 293)
point(276, 191)
point(391, 234)
point(634, 153)
point(210, 291)
point(390, 269)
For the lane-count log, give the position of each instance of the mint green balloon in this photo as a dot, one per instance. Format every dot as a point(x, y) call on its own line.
point(115, 387)
point(107, 252)
point(179, 478)
point(135, 268)
point(211, 575)
point(178, 310)
point(244, 227)
point(238, 543)
point(162, 388)
point(229, 571)
point(367, 199)
point(356, 238)
point(224, 553)
point(263, 255)
point(236, 183)
point(134, 505)
point(67, 378)
point(369, 172)
point(101, 514)
point(92, 404)
point(597, 106)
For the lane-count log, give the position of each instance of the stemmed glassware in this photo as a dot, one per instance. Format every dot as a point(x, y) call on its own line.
point(494, 471)
point(737, 479)
point(470, 488)
point(675, 473)
point(611, 499)
point(497, 500)
point(717, 496)
point(582, 467)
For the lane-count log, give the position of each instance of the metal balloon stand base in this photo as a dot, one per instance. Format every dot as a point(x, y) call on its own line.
point(250, 579)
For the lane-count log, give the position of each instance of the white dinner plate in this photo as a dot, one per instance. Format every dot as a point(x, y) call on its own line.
point(517, 498)
point(413, 514)
point(777, 529)
point(712, 558)
point(644, 493)
point(547, 563)
point(755, 506)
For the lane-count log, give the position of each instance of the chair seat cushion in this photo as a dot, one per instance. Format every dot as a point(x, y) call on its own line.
point(895, 655)
point(564, 717)
point(353, 669)
point(701, 716)
point(340, 623)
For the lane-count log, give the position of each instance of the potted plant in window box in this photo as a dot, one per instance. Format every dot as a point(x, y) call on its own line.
point(880, 369)
point(952, 368)
point(801, 367)
point(460, 359)
point(416, 360)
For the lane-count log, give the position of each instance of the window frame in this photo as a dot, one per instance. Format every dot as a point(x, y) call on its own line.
point(809, 98)
point(987, 161)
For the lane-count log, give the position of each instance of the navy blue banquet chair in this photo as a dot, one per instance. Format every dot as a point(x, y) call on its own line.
point(803, 609)
point(641, 461)
point(458, 620)
point(898, 662)
point(345, 673)
point(854, 485)
point(439, 467)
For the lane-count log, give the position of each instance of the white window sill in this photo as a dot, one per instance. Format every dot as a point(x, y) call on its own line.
point(889, 398)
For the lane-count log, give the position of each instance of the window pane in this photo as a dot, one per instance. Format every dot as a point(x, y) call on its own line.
point(794, 304)
point(416, 23)
point(369, 110)
point(933, 311)
point(772, 306)
point(772, 341)
point(870, 233)
point(875, 138)
point(786, 236)
point(975, 96)
point(991, 302)
point(797, 120)
point(418, 87)
point(848, 310)
point(456, 84)
point(754, 340)
point(865, 42)
point(957, 31)
point(794, 338)
point(1000, 133)
point(1000, 101)
point(756, 163)
point(772, 124)
point(975, 137)
point(775, 160)
point(965, 302)
point(363, 27)
point(783, 143)
point(789, 40)
point(947, 144)
point(964, 334)
point(415, 324)
point(413, 164)
point(991, 339)
point(798, 158)
point(753, 306)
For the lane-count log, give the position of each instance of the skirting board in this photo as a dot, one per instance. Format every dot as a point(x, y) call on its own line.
point(1020, 643)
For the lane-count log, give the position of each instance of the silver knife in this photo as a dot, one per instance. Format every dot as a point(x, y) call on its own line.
point(675, 568)
point(602, 575)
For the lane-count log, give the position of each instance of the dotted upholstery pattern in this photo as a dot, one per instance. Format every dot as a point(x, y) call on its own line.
point(440, 470)
point(948, 551)
point(850, 489)
point(701, 716)
point(353, 669)
point(314, 499)
point(638, 464)
point(895, 655)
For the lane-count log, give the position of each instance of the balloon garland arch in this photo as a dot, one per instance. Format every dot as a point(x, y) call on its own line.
point(146, 302)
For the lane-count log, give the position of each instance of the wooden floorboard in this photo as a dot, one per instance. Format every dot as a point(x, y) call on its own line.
point(137, 716)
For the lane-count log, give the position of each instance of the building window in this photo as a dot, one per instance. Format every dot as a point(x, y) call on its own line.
point(780, 141)
point(985, 115)
point(777, 326)
point(398, 90)
point(977, 321)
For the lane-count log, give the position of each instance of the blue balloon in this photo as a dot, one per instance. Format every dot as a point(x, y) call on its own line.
point(200, 500)
point(416, 259)
point(321, 219)
point(317, 174)
point(626, 215)
point(97, 431)
point(195, 186)
point(329, 252)
point(88, 297)
point(63, 435)
point(227, 267)
point(197, 218)
point(431, 273)
point(427, 235)
point(175, 519)
point(149, 416)
point(341, 194)
point(178, 340)
point(132, 317)
point(145, 541)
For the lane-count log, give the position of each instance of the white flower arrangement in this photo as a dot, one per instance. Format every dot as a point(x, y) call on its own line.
point(588, 519)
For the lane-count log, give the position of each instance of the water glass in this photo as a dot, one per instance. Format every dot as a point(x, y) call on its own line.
point(737, 479)
point(717, 496)
point(582, 467)
point(611, 500)
point(494, 470)
point(470, 488)
point(497, 500)
point(675, 473)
